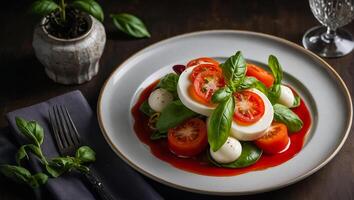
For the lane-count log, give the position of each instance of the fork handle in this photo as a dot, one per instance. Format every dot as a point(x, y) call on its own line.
point(97, 185)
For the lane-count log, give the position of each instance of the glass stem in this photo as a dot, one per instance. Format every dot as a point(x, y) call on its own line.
point(329, 35)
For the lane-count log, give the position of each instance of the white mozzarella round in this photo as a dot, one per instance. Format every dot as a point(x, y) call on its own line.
point(229, 151)
point(159, 99)
point(286, 97)
point(184, 83)
point(256, 130)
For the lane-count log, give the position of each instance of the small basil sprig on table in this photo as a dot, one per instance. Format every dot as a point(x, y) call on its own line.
point(130, 24)
point(54, 167)
point(219, 123)
point(288, 117)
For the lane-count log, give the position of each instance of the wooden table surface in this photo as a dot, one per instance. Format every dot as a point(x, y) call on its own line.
point(23, 81)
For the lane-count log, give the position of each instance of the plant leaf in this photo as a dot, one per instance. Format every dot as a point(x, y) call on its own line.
point(31, 129)
point(85, 154)
point(44, 7)
point(37, 180)
point(172, 115)
point(234, 70)
point(146, 109)
point(221, 94)
point(16, 173)
point(219, 123)
point(288, 117)
point(21, 154)
point(169, 82)
point(274, 93)
point(276, 68)
point(252, 82)
point(89, 6)
point(130, 25)
point(297, 101)
point(250, 155)
point(158, 135)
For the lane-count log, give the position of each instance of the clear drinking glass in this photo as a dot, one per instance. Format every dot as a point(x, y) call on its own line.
point(329, 40)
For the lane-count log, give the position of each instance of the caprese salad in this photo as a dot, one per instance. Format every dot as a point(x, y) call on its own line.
point(234, 112)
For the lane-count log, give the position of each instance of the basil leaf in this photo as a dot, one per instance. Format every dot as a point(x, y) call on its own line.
point(158, 135)
point(44, 7)
point(252, 82)
point(250, 155)
point(274, 93)
point(82, 168)
point(146, 109)
point(37, 180)
point(21, 154)
point(288, 117)
point(276, 68)
point(16, 173)
point(172, 115)
point(221, 95)
point(85, 154)
point(53, 170)
point(169, 82)
point(130, 25)
point(31, 129)
point(219, 123)
point(234, 70)
point(89, 6)
point(297, 101)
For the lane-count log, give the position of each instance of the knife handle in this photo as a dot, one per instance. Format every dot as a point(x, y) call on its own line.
point(97, 185)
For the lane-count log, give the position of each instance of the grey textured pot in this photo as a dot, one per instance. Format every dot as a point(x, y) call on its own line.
point(70, 61)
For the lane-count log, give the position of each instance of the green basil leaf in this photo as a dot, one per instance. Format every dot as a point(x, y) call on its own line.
point(37, 180)
point(250, 155)
point(31, 129)
point(221, 94)
point(274, 93)
point(172, 115)
point(85, 154)
point(89, 6)
point(16, 173)
point(169, 83)
point(54, 170)
point(21, 154)
point(219, 123)
point(252, 82)
point(234, 70)
point(158, 135)
point(44, 7)
point(276, 68)
point(82, 168)
point(130, 25)
point(296, 101)
point(288, 117)
point(146, 109)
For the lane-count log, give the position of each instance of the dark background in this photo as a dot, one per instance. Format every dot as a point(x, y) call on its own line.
point(23, 81)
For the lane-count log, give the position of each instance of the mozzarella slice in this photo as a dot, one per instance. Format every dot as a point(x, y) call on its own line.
point(229, 152)
point(286, 97)
point(159, 99)
point(184, 83)
point(256, 130)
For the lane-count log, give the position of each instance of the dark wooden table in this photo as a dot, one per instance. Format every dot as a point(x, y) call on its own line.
point(23, 81)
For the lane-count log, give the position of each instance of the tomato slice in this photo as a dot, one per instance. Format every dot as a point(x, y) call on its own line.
point(203, 60)
point(261, 74)
point(202, 68)
point(189, 138)
point(249, 107)
point(206, 83)
point(275, 140)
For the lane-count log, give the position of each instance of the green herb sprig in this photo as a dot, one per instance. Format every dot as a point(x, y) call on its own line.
point(54, 167)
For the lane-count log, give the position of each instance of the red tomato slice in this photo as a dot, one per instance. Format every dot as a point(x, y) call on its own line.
point(189, 138)
point(275, 140)
point(203, 60)
point(206, 83)
point(249, 107)
point(202, 68)
point(261, 74)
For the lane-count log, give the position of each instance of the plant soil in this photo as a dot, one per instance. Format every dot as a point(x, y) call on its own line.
point(75, 25)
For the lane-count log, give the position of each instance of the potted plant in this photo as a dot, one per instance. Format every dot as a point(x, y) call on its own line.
point(70, 39)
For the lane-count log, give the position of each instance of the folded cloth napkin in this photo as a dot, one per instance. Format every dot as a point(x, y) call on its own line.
point(119, 179)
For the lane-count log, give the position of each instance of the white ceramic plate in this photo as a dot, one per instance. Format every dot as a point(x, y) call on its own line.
point(318, 84)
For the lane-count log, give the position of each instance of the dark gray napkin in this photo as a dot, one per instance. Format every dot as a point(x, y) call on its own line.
point(120, 180)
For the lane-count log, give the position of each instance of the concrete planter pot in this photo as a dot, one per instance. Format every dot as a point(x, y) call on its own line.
point(70, 61)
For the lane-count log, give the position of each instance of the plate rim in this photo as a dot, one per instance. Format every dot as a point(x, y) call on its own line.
point(220, 31)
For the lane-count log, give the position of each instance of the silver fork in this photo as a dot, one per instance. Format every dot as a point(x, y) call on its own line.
point(68, 141)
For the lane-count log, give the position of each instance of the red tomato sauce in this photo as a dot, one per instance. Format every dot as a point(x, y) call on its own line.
point(200, 164)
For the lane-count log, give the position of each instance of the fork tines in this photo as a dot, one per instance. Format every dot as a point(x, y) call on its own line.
point(65, 132)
